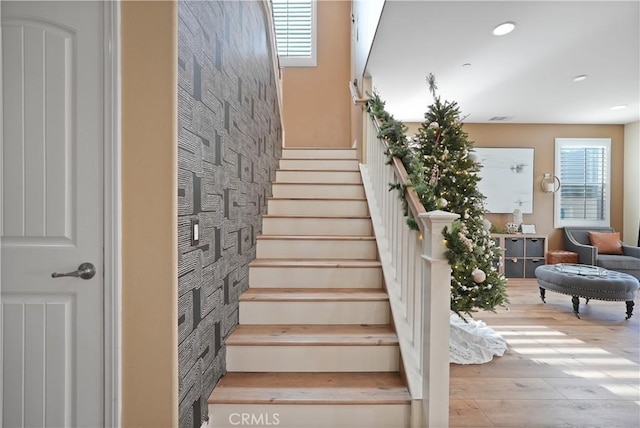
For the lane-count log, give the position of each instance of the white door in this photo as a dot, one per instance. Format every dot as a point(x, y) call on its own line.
point(52, 217)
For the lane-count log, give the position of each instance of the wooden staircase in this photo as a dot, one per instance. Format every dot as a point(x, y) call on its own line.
point(314, 347)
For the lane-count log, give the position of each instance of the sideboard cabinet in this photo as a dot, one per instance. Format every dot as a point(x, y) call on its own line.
point(521, 254)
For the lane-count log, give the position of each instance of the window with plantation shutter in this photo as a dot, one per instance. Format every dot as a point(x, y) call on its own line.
point(583, 166)
point(295, 25)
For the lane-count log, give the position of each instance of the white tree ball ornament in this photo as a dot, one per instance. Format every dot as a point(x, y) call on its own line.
point(478, 275)
point(442, 203)
point(473, 157)
point(486, 224)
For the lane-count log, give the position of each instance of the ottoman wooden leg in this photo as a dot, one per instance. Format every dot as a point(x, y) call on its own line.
point(576, 304)
point(542, 291)
point(630, 305)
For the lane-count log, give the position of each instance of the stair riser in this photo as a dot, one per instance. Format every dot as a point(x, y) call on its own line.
point(328, 208)
point(321, 249)
point(376, 312)
point(314, 164)
point(286, 176)
point(304, 277)
point(312, 191)
point(316, 226)
point(313, 358)
point(319, 154)
point(309, 415)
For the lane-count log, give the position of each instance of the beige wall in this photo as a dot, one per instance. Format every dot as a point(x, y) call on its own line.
point(631, 183)
point(317, 110)
point(149, 222)
point(542, 138)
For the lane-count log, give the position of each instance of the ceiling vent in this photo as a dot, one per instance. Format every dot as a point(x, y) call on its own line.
point(500, 118)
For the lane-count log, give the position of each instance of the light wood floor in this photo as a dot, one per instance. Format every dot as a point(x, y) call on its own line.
point(559, 371)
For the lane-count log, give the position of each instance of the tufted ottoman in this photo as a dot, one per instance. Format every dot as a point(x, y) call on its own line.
point(589, 282)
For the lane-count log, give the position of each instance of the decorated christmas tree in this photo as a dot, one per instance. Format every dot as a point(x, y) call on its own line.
point(443, 171)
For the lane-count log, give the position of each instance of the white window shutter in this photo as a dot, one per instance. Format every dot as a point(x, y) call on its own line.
point(583, 166)
point(295, 27)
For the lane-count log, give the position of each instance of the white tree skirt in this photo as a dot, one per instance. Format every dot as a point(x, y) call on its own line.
point(473, 342)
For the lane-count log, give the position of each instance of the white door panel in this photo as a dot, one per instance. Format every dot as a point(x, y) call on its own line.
point(38, 73)
point(52, 218)
point(39, 337)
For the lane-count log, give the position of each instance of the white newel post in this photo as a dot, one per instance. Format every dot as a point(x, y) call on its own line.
point(436, 282)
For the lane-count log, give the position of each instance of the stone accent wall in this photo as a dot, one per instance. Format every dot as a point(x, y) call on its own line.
point(229, 144)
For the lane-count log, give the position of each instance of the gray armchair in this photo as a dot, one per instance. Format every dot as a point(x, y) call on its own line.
point(576, 239)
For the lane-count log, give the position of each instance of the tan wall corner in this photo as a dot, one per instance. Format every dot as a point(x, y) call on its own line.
point(149, 206)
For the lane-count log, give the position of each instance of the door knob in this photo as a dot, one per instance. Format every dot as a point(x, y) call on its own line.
point(85, 271)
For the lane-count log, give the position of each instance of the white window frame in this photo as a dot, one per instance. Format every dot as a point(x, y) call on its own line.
point(561, 143)
point(307, 61)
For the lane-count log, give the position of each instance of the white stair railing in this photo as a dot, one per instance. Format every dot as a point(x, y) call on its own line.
point(418, 280)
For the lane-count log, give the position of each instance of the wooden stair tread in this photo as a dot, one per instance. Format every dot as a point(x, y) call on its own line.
point(310, 388)
point(312, 335)
point(272, 198)
point(313, 158)
point(318, 148)
point(315, 170)
point(355, 217)
point(315, 263)
point(313, 295)
point(279, 183)
point(286, 167)
point(317, 237)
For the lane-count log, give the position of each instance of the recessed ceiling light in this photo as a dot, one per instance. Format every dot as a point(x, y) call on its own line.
point(620, 107)
point(504, 28)
point(580, 78)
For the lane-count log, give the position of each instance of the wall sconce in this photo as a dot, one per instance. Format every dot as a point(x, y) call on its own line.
point(550, 183)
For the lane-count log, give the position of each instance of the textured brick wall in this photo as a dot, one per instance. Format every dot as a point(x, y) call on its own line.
point(229, 143)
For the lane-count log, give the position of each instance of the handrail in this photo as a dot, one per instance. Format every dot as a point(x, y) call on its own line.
point(413, 200)
point(417, 278)
point(355, 95)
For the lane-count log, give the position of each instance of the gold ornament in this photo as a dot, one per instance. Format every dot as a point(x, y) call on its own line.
point(478, 275)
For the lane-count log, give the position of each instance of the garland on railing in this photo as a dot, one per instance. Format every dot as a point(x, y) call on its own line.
point(442, 169)
point(393, 132)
